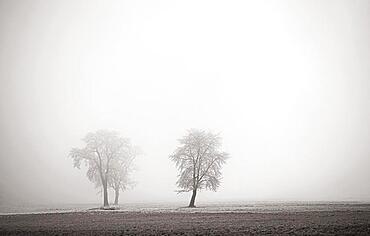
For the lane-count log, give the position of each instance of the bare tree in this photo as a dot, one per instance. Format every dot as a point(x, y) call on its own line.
point(119, 178)
point(103, 149)
point(199, 162)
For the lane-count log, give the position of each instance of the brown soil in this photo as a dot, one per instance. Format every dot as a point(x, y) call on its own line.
point(175, 223)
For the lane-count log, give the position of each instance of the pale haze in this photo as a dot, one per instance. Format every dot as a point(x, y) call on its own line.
point(286, 84)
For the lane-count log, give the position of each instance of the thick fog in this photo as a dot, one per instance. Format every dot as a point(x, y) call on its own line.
point(285, 83)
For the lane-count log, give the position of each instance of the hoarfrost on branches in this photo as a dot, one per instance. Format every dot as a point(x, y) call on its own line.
point(199, 161)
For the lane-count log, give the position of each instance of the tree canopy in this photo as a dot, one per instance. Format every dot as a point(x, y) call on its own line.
point(199, 161)
point(104, 152)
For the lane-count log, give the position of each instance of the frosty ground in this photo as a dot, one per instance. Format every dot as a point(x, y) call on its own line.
point(231, 219)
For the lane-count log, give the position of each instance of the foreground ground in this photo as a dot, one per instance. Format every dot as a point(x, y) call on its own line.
point(187, 223)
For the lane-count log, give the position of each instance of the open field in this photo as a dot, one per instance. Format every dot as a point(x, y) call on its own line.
point(327, 219)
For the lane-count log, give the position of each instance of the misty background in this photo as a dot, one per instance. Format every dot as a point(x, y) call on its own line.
point(286, 83)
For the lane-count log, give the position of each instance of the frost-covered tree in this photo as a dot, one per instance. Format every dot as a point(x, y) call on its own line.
point(102, 150)
point(119, 176)
point(199, 161)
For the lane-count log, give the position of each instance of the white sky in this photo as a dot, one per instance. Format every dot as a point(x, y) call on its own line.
point(285, 82)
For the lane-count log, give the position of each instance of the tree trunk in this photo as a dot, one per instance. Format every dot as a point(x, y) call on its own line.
point(192, 200)
point(117, 196)
point(105, 189)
